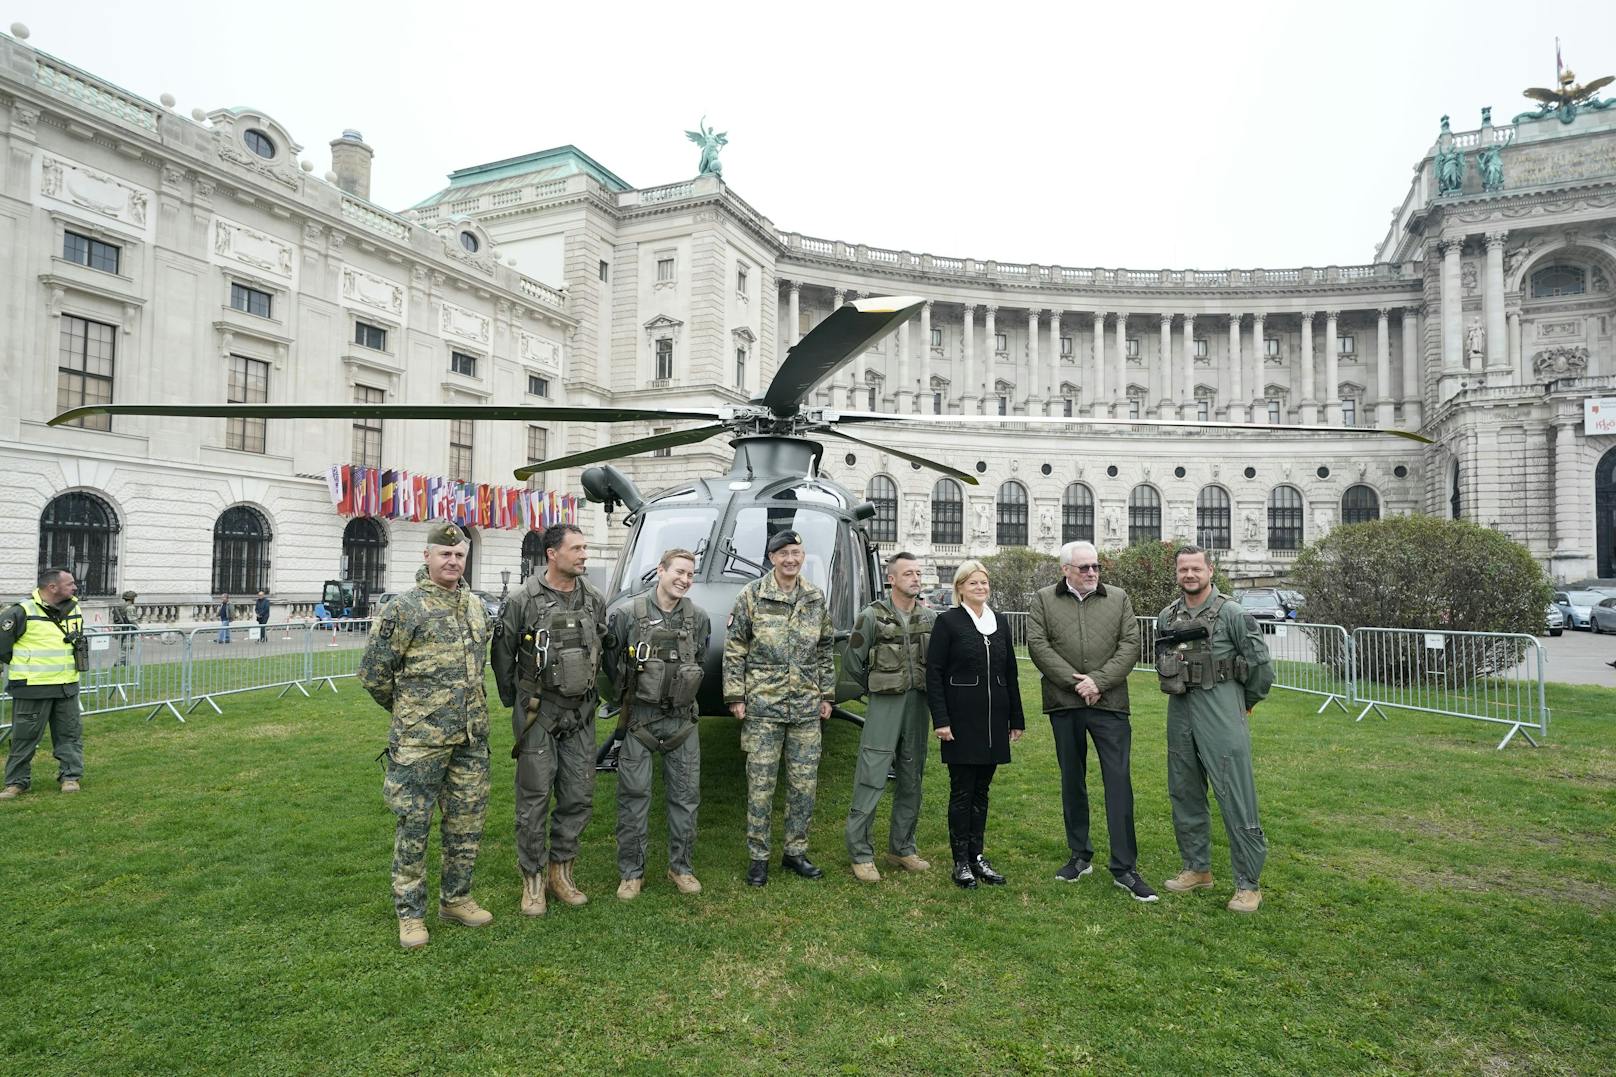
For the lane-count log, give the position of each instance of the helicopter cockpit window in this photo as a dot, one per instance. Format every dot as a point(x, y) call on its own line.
point(745, 551)
point(685, 527)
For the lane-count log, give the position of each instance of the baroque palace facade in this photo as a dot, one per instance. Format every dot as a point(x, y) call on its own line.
point(175, 260)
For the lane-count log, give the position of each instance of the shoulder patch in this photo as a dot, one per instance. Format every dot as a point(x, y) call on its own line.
point(385, 629)
point(5, 626)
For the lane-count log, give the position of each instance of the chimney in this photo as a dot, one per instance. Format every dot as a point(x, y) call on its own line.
point(350, 160)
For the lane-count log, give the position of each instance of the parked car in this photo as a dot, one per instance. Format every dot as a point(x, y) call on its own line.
point(1576, 606)
point(1264, 604)
point(491, 603)
point(1294, 601)
point(1602, 617)
point(937, 598)
point(1554, 620)
point(380, 602)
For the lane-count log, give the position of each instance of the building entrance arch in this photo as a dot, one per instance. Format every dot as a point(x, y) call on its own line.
point(1605, 514)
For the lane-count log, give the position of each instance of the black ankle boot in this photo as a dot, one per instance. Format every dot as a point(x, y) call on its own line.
point(964, 877)
point(984, 871)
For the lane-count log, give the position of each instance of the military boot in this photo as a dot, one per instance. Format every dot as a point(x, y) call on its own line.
point(559, 883)
point(1188, 880)
point(911, 862)
point(866, 873)
point(629, 889)
point(70, 785)
point(12, 792)
point(412, 933)
point(1245, 901)
point(685, 883)
point(532, 895)
point(466, 912)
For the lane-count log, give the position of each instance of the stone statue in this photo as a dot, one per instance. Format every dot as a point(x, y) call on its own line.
point(1249, 521)
point(1046, 524)
point(710, 142)
point(1491, 166)
point(983, 531)
point(1113, 529)
point(1475, 346)
point(1449, 171)
point(1181, 523)
point(1323, 519)
point(917, 518)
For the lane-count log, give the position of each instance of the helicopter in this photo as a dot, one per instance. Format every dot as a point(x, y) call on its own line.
point(774, 483)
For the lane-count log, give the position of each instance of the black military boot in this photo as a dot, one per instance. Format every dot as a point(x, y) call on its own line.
point(802, 866)
point(963, 876)
point(758, 873)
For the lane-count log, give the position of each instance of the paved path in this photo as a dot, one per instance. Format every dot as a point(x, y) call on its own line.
point(1579, 658)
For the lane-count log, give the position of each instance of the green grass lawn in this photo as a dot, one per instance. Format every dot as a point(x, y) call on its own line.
point(217, 900)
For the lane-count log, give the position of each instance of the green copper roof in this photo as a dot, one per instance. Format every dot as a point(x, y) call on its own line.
point(559, 161)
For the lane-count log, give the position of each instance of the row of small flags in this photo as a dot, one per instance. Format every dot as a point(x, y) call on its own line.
point(399, 495)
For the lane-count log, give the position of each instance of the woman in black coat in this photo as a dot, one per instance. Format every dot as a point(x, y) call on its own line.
point(975, 700)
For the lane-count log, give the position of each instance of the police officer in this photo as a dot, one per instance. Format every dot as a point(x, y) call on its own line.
point(546, 657)
point(887, 657)
point(42, 639)
point(1214, 667)
point(126, 619)
point(779, 682)
point(653, 651)
point(424, 663)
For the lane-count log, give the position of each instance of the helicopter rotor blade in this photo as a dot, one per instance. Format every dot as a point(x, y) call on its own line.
point(946, 469)
point(622, 448)
point(1083, 420)
point(846, 332)
point(531, 413)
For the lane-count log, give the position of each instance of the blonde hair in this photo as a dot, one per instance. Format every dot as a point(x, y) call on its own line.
point(965, 571)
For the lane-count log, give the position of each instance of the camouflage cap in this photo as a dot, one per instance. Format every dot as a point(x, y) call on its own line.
point(130, 596)
point(445, 534)
point(781, 539)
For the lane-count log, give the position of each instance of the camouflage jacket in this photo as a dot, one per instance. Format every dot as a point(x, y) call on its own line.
point(778, 656)
point(424, 663)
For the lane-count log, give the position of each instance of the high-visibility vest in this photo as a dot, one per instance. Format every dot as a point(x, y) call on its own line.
point(42, 654)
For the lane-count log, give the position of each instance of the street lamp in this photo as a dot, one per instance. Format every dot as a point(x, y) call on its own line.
point(504, 584)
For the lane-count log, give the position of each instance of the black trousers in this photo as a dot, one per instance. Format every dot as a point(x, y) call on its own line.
point(968, 807)
point(1113, 743)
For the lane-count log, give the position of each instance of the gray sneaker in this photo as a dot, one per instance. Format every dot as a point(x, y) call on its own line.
point(1074, 870)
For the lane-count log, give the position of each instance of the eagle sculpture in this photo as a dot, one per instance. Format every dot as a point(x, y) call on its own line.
point(1569, 94)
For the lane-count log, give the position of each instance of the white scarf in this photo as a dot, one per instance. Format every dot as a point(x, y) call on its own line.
point(987, 624)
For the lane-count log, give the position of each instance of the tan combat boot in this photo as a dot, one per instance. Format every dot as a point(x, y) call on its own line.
point(685, 884)
point(532, 895)
point(12, 792)
point(71, 785)
point(1245, 901)
point(866, 873)
point(628, 889)
point(412, 933)
point(465, 911)
point(1188, 880)
point(911, 862)
point(559, 883)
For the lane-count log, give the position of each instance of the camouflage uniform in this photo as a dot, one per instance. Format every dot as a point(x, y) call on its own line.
point(662, 723)
point(424, 663)
point(560, 762)
point(778, 661)
point(126, 619)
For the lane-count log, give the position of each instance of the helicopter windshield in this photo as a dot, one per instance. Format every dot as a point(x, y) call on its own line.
point(683, 526)
point(746, 556)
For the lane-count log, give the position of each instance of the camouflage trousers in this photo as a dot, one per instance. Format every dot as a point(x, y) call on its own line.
point(681, 785)
point(764, 743)
point(563, 768)
point(455, 778)
point(897, 730)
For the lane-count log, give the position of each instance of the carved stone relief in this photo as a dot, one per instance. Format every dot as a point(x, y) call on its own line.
point(75, 185)
point(466, 324)
point(368, 290)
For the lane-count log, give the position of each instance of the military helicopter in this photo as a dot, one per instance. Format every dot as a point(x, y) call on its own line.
point(773, 485)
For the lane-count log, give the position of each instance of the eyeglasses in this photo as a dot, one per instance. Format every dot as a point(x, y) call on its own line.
point(1084, 568)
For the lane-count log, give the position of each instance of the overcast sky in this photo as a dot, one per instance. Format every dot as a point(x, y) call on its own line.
point(1140, 135)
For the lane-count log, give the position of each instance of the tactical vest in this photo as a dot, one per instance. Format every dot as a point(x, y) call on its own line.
point(894, 667)
point(51, 649)
point(557, 659)
point(1191, 664)
point(664, 669)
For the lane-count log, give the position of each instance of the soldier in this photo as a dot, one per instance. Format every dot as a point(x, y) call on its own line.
point(653, 655)
point(546, 658)
point(424, 663)
point(1214, 667)
point(42, 640)
point(779, 683)
point(887, 657)
point(126, 619)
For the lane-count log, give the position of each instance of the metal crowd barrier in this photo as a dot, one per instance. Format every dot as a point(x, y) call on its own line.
point(225, 661)
point(333, 652)
point(1313, 659)
point(1485, 676)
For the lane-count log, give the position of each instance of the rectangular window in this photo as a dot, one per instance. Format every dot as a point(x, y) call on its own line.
point(870, 399)
point(87, 251)
point(460, 449)
point(1349, 412)
point(538, 385)
point(84, 368)
point(605, 270)
point(1203, 410)
point(664, 359)
point(740, 279)
point(249, 300)
point(1066, 347)
point(740, 368)
point(1000, 343)
point(664, 269)
point(367, 431)
point(937, 403)
point(665, 451)
point(1066, 408)
point(804, 323)
point(937, 338)
point(1345, 345)
point(1270, 346)
point(1004, 404)
point(1133, 407)
point(1200, 348)
point(249, 384)
point(1133, 347)
point(1273, 412)
point(461, 363)
point(370, 336)
point(538, 448)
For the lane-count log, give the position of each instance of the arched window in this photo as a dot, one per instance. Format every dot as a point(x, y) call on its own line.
point(1144, 515)
point(1212, 518)
point(1012, 514)
point(364, 549)
point(79, 532)
point(1077, 514)
point(883, 494)
point(532, 553)
point(1555, 281)
point(241, 538)
point(1285, 518)
point(1359, 505)
point(947, 514)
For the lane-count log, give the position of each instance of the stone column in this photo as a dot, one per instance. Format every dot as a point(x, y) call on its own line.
point(1499, 370)
point(1383, 369)
point(1310, 406)
point(969, 399)
point(794, 314)
point(1164, 405)
point(833, 384)
point(1259, 359)
point(1237, 361)
point(898, 380)
point(1119, 368)
point(856, 397)
point(924, 388)
point(990, 353)
point(1412, 382)
point(1033, 394)
point(1570, 500)
point(1052, 376)
point(1516, 360)
point(1186, 390)
point(1332, 368)
point(1452, 320)
point(1094, 384)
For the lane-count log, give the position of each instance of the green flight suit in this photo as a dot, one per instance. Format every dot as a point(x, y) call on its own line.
point(887, 657)
point(1208, 739)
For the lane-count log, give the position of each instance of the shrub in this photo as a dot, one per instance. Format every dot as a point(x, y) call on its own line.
point(1018, 572)
point(1146, 570)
